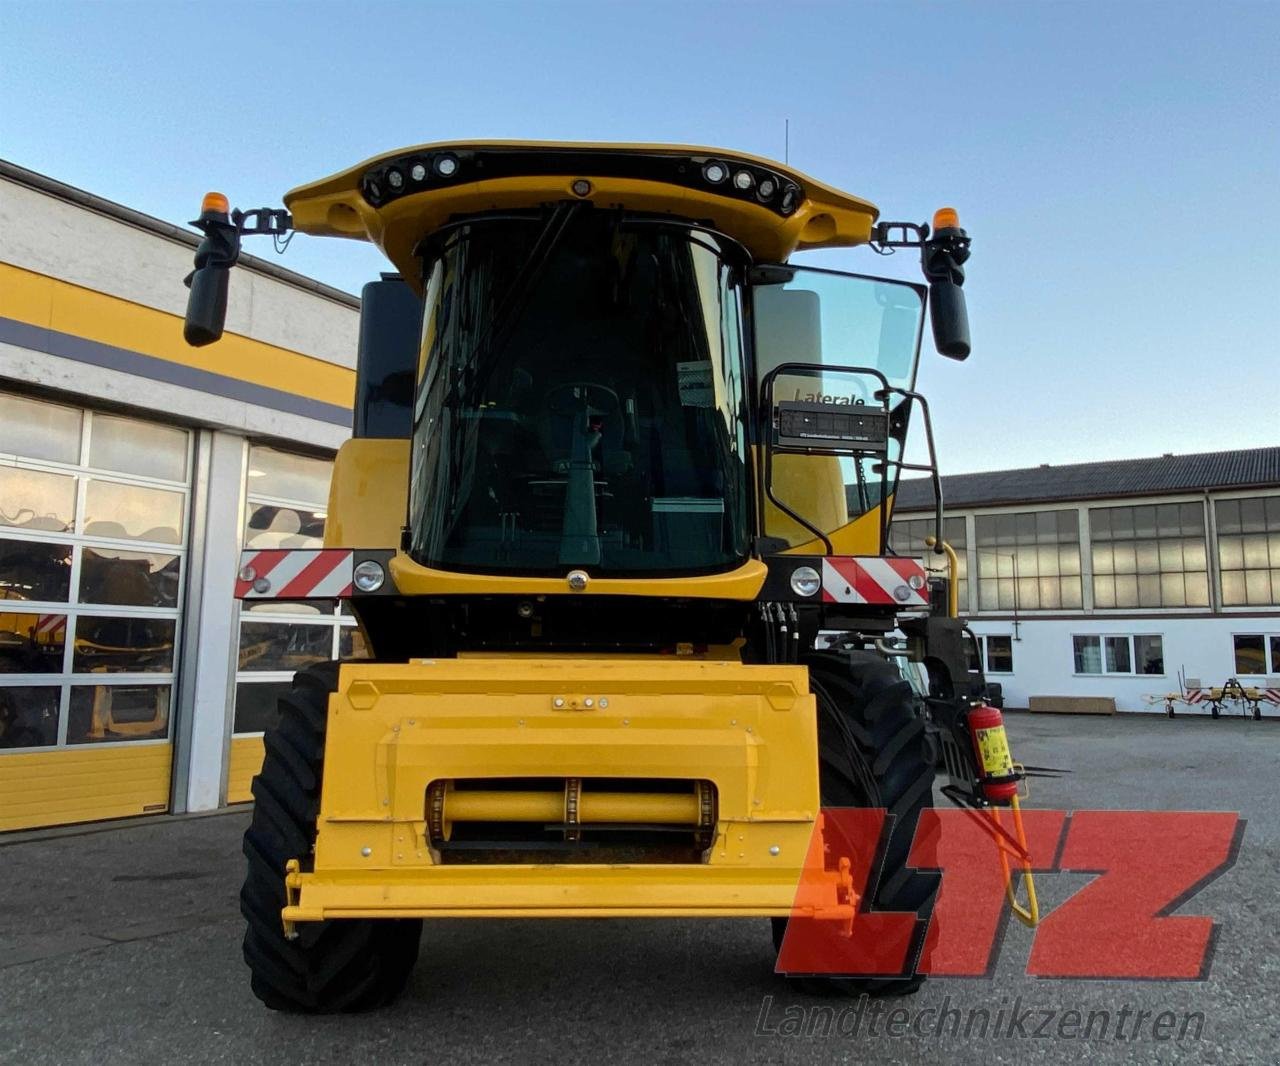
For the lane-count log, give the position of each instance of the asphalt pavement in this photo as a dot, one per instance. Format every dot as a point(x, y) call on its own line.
point(122, 945)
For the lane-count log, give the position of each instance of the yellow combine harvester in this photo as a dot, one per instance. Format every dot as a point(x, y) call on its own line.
point(615, 466)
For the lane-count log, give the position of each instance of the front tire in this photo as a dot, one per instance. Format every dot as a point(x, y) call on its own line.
point(332, 966)
point(874, 751)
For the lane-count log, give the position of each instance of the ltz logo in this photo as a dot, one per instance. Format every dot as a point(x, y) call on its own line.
point(1145, 865)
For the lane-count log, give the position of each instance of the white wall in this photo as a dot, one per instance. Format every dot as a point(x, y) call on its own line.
point(1043, 660)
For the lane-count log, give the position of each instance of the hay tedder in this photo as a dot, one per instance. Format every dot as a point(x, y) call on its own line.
point(615, 465)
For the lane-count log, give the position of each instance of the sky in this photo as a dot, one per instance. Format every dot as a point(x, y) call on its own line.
point(1116, 164)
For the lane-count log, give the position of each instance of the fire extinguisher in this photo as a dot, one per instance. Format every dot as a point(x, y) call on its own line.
point(991, 749)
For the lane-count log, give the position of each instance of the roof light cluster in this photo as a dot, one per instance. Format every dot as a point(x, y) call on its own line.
point(724, 176)
point(409, 175)
point(757, 183)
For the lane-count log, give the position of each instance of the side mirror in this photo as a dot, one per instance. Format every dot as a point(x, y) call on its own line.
point(209, 282)
point(944, 256)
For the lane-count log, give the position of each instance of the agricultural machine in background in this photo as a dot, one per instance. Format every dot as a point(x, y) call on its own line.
point(615, 465)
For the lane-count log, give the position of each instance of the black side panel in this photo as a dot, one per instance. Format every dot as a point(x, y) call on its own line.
point(390, 317)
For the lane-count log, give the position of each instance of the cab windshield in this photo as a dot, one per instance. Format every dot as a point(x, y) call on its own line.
point(580, 398)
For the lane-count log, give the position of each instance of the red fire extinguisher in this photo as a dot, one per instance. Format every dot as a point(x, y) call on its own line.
point(991, 749)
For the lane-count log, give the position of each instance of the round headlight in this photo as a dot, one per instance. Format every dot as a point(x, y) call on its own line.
point(743, 180)
point(446, 165)
point(788, 200)
point(715, 172)
point(581, 187)
point(247, 573)
point(805, 581)
point(418, 172)
point(369, 576)
point(395, 179)
point(767, 188)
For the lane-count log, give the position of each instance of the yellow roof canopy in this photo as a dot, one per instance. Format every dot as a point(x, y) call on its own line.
point(396, 199)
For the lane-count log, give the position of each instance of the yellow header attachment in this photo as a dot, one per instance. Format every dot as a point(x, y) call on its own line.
point(395, 200)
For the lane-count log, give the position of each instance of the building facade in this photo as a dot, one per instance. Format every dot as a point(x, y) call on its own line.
point(1115, 579)
point(132, 469)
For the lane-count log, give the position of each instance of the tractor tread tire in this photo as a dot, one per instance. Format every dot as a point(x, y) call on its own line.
point(331, 966)
point(889, 764)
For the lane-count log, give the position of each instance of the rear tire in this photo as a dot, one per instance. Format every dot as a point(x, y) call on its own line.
point(332, 966)
point(874, 751)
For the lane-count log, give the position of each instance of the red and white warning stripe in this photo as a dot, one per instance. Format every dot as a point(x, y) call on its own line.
point(874, 579)
point(1195, 695)
point(295, 574)
point(1271, 695)
point(51, 626)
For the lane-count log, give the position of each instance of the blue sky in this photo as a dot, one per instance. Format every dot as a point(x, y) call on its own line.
point(1117, 164)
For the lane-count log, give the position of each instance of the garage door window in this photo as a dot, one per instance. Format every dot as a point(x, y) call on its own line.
point(93, 541)
point(285, 508)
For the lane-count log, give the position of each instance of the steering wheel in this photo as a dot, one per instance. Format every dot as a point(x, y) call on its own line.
point(569, 398)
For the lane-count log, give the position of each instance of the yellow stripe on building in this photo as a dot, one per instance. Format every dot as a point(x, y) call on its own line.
point(39, 300)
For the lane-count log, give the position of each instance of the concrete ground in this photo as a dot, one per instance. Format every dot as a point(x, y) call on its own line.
point(123, 946)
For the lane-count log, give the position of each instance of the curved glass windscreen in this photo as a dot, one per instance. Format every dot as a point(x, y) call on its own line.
point(580, 399)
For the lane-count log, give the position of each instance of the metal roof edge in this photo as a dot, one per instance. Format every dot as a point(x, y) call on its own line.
point(71, 194)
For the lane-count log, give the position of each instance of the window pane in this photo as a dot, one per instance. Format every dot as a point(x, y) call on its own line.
point(39, 430)
point(1148, 557)
point(1126, 557)
point(988, 595)
point(1126, 591)
point(984, 529)
point(1069, 527)
point(1149, 652)
point(1103, 559)
point(351, 644)
point(1047, 561)
point(1192, 519)
point(129, 446)
point(1100, 524)
point(1069, 560)
point(1149, 590)
point(1275, 654)
point(1072, 592)
point(1272, 507)
point(1228, 516)
point(1231, 553)
point(1104, 591)
point(1257, 587)
point(1117, 649)
point(1255, 551)
point(289, 477)
point(1006, 530)
point(1000, 654)
point(1168, 520)
point(35, 499)
point(31, 643)
point(1172, 592)
point(282, 646)
point(130, 512)
point(1088, 656)
point(270, 526)
point(1193, 555)
point(119, 645)
point(1197, 586)
point(1250, 655)
point(1253, 516)
point(28, 716)
point(1232, 588)
point(257, 705)
point(309, 607)
point(102, 713)
point(1122, 523)
point(1170, 556)
point(139, 579)
point(1029, 594)
point(30, 570)
point(1144, 521)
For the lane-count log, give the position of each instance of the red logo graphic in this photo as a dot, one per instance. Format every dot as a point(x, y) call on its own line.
point(1146, 865)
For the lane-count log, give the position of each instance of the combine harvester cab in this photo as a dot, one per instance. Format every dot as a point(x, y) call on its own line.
point(615, 465)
